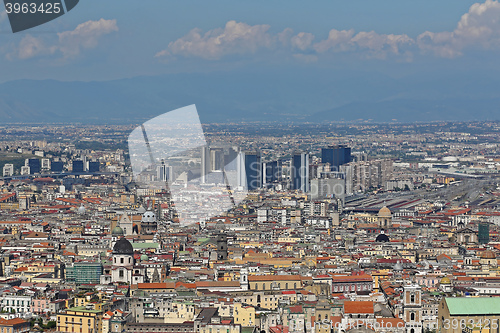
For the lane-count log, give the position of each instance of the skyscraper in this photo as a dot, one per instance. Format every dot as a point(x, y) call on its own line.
point(163, 172)
point(249, 168)
point(34, 164)
point(78, 166)
point(94, 166)
point(56, 166)
point(299, 173)
point(336, 156)
point(205, 163)
point(271, 171)
point(215, 160)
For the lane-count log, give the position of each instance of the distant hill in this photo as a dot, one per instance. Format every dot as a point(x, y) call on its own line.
point(266, 95)
point(407, 110)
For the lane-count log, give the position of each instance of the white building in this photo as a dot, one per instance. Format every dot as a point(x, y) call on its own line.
point(8, 170)
point(20, 304)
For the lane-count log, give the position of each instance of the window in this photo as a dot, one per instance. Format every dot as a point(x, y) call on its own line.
point(412, 316)
point(412, 298)
point(121, 260)
point(120, 273)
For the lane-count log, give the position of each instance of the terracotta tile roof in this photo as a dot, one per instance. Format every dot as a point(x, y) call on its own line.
point(358, 307)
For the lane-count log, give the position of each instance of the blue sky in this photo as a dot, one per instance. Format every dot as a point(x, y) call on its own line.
point(102, 40)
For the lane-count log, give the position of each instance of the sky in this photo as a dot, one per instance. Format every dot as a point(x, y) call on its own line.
point(113, 39)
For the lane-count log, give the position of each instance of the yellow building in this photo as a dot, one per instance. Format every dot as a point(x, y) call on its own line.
point(80, 320)
point(274, 282)
point(179, 312)
point(244, 315)
point(378, 277)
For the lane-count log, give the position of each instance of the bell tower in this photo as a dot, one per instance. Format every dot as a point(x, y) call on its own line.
point(412, 308)
point(221, 247)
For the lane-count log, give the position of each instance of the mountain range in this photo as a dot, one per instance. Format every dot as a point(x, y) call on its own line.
point(271, 95)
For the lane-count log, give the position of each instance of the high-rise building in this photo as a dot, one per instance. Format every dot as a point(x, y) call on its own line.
point(8, 170)
point(25, 170)
point(78, 166)
point(336, 156)
point(34, 164)
point(163, 172)
point(56, 166)
point(299, 172)
point(230, 159)
point(94, 166)
point(363, 175)
point(331, 186)
point(271, 171)
point(249, 168)
point(216, 160)
point(45, 164)
point(205, 163)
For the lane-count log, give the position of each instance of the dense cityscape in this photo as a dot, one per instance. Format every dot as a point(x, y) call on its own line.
point(341, 227)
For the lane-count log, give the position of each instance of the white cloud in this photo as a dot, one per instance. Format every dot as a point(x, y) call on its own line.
point(234, 38)
point(479, 27)
point(70, 43)
point(302, 41)
point(30, 47)
point(85, 36)
point(337, 41)
point(285, 36)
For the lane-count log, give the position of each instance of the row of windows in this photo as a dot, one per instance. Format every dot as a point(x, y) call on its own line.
point(351, 288)
point(73, 320)
point(122, 260)
point(13, 302)
point(256, 287)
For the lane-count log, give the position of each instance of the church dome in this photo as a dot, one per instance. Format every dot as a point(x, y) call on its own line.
point(398, 267)
point(81, 210)
point(144, 257)
point(141, 210)
point(384, 212)
point(445, 280)
point(123, 246)
point(488, 254)
point(148, 216)
point(382, 238)
point(117, 231)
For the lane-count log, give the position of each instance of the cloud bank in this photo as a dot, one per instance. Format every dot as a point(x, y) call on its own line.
point(69, 44)
point(479, 28)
